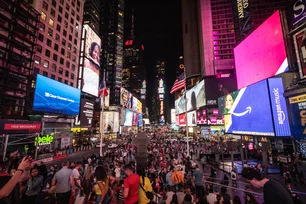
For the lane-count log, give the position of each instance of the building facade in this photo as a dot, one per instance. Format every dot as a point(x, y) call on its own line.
point(59, 38)
point(18, 31)
point(111, 32)
point(91, 15)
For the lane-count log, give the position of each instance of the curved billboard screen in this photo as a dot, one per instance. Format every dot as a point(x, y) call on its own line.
point(196, 96)
point(54, 97)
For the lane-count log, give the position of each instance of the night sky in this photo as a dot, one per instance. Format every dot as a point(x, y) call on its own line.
point(158, 26)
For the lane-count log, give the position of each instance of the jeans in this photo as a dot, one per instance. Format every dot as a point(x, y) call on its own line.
point(98, 198)
point(63, 198)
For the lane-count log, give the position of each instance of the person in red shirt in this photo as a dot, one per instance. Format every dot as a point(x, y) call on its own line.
point(131, 185)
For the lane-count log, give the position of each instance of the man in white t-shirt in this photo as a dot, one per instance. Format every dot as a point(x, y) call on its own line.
point(118, 174)
point(77, 180)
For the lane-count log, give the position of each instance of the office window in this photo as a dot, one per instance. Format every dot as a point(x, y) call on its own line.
point(74, 50)
point(63, 51)
point(65, 24)
point(66, 81)
point(49, 42)
point(64, 33)
point(70, 37)
point(58, 28)
point(45, 6)
point(43, 16)
point(54, 3)
point(64, 42)
point(68, 55)
point(74, 58)
point(75, 41)
point(46, 64)
point(47, 53)
point(59, 18)
point(60, 79)
point(57, 37)
point(62, 2)
point(42, 26)
point(55, 57)
point(71, 83)
point(52, 12)
point(67, 7)
point(55, 46)
point(61, 60)
point(71, 20)
point(60, 9)
point(36, 70)
point(45, 73)
point(50, 32)
point(72, 76)
point(73, 67)
point(66, 73)
point(66, 15)
point(69, 46)
point(68, 64)
point(52, 76)
point(37, 59)
point(40, 37)
point(60, 70)
point(51, 22)
point(39, 48)
point(72, 12)
point(53, 68)
point(78, 17)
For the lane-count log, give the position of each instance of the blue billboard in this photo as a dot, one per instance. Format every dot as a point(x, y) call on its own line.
point(128, 118)
point(55, 97)
point(298, 114)
point(279, 108)
point(140, 123)
point(249, 111)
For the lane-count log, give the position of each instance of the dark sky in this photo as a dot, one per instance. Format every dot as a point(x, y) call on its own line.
point(158, 26)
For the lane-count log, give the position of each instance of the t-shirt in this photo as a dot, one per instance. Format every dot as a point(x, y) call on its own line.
point(198, 178)
point(117, 172)
point(132, 183)
point(76, 175)
point(211, 198)
point(4, 180)
point(62, 178)
point(146, 184)
point(169, 197)
point(275, 192)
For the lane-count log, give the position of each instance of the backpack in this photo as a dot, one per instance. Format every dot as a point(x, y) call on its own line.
point(149, 194)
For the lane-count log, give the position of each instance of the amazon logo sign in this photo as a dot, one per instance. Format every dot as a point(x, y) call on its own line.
point(259, 109)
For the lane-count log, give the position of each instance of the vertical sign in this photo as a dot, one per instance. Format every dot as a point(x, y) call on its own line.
point(298, 113)
point(173, 116)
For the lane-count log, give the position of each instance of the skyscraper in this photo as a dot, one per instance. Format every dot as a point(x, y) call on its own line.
point(134, 72)
point(111, 32)
point(91, 15)
point(18, 34)
point(58, 45)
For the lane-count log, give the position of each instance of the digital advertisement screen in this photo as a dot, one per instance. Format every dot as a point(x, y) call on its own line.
point(213, 117)
point(162, 120)
point(92, 45)
point(111, 121)
point(19, 127)
point(298, 114)
point(135, 119)
point(180, 106)
point(201, 116)
point(140, 122)
point(173, 116)
point(86, 114)
point(248, 111)
point(262, 54)
point(182, 120)
point(192, 118)
point(216, 87)
point(196, 97)
point(137, 105)
point(279, 107)
point(128, 119)
point(126, 99)
point(177, 122)
point(54, 97)
point(91, 74)
point(122, 116)
point(299, 40)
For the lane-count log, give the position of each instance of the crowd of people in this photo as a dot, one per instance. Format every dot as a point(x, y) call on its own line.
point(169, 175)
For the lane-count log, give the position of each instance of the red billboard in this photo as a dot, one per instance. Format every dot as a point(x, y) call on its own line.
point(262, 54)
point(182, 119)
point(19, 127)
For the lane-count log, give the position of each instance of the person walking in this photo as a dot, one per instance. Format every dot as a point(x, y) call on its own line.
point(131, 185)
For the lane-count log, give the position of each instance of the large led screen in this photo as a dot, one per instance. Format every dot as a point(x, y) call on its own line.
point(137, 105)
point(180, 106)
point(248, 111)
point(90, 80)
point(92, 45)
point(135, 119)
point(126, 99)
point(300, 50)
point(298, 114)
point(279, 107)
point(87, 110)
point(111, 121)
point(128, 118)
point(55, 97)
point(140, 122)
point(201, 116)
point(192, 118)
point(196, 96)
point(217, 86)
point(182, 120)
point(262, 54)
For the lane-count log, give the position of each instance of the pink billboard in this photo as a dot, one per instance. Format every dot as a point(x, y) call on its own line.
point(262, 54)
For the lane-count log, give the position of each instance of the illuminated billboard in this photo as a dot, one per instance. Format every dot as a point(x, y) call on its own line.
point(262, 54)
point(173, 116)
point(92, 45)
point(300, 50)
point(126, 99)
point(180, 106)
point(111, 121)
point(192, 118)
point(137, 105)
point(87, 111)
point(128, 118)
point(55, 97)
point(196, 96)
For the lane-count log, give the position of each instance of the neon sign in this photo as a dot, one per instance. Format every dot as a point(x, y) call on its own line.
point(44, 140)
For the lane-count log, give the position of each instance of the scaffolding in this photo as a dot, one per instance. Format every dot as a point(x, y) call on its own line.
point(18, 35)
